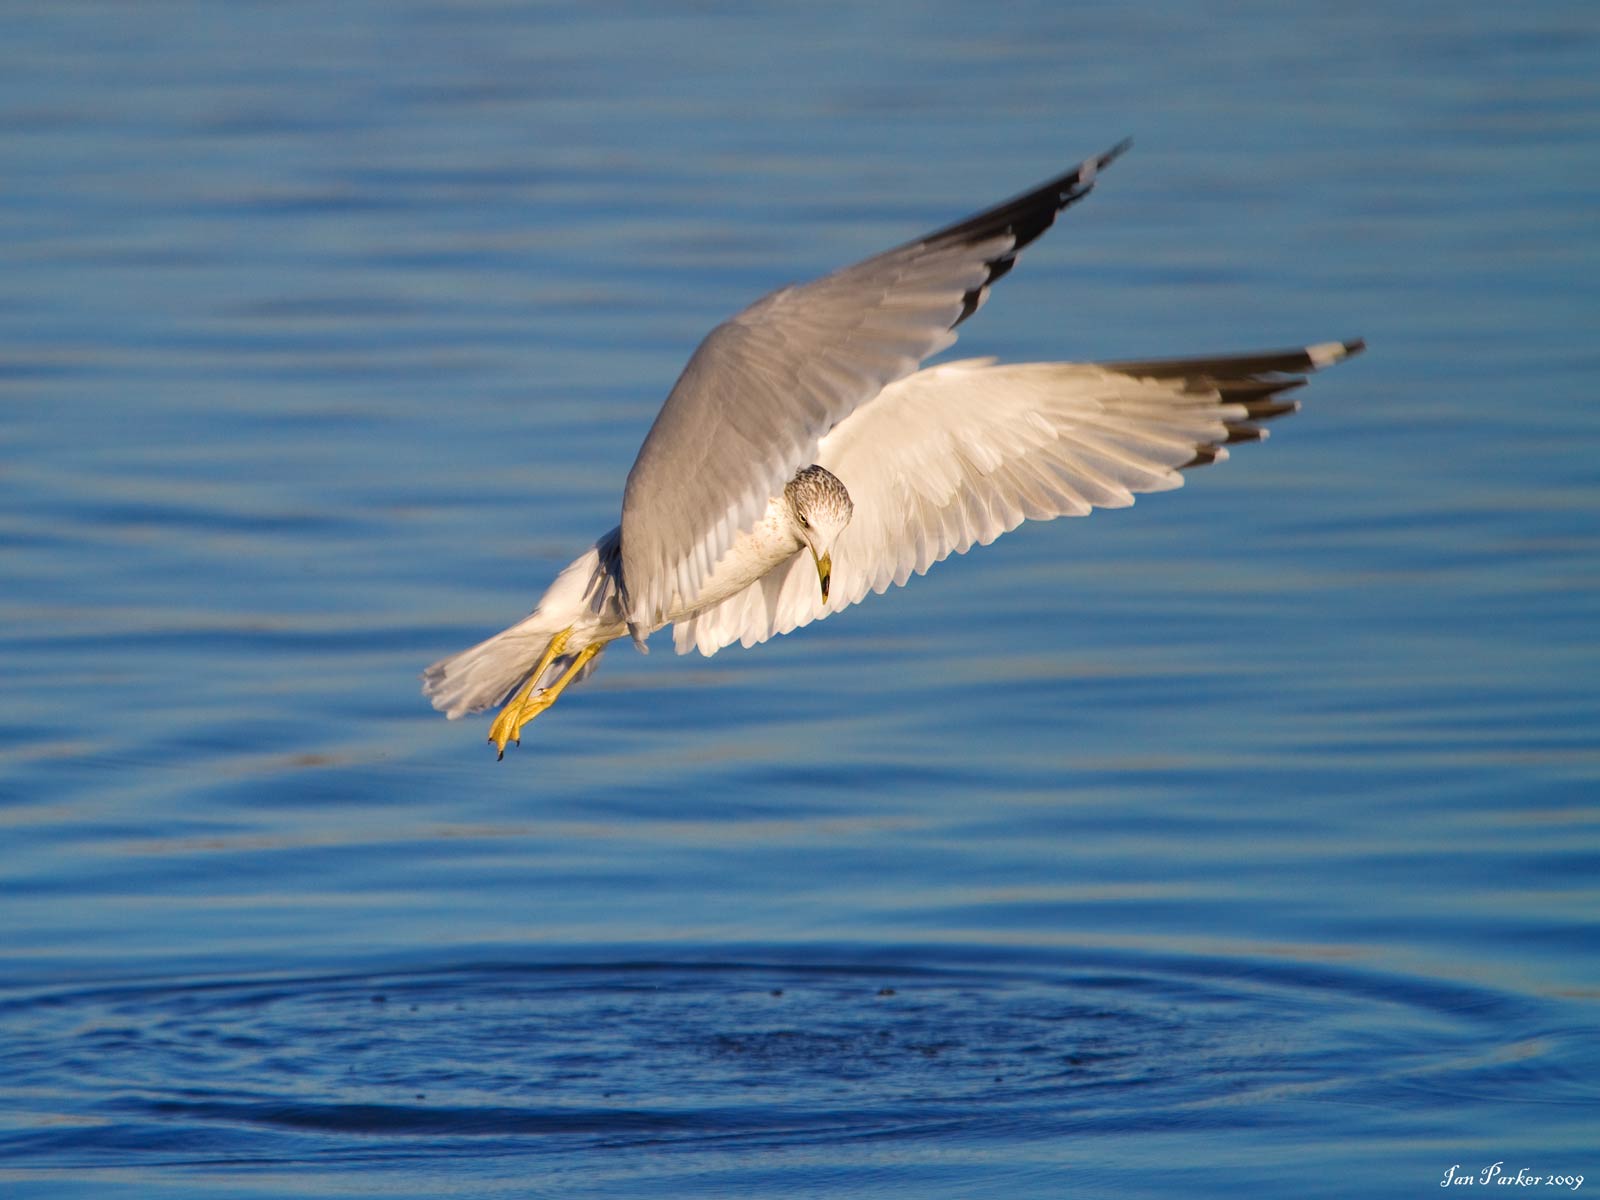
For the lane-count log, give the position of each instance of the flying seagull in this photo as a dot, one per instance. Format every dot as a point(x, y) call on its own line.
point(803, 459)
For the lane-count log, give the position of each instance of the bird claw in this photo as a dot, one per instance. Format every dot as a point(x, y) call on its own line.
point(507, 727)
point(533, 700)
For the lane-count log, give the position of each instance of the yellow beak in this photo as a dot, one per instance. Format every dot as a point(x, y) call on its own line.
point(824, 572)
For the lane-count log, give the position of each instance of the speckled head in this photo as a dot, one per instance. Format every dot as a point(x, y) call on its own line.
point(821, 508)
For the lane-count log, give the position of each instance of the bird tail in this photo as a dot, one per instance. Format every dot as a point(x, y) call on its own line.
point(486, 674)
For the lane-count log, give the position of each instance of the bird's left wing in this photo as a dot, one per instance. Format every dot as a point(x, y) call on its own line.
point(764, 387)
point(956, 455)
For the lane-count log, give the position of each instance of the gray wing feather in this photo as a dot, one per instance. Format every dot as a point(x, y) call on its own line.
point(763, 388)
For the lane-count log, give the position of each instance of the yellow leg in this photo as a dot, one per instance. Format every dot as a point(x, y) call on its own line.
point(543, 700)
point(530, 705)
point(501, 731)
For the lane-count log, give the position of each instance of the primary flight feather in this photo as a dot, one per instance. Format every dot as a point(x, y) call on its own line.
point(803, 459)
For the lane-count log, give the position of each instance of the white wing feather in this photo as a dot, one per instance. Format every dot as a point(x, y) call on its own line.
point(956, 455)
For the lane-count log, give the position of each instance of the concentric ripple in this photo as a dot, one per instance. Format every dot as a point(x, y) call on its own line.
point(499, 1058)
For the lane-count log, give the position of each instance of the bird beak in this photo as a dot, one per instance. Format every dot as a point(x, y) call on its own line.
point(824, 572)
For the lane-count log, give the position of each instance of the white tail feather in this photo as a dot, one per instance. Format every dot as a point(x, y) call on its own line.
point(483, 676)
point(486, 674)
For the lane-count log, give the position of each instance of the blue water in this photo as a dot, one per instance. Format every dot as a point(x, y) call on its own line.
point(1244, 842)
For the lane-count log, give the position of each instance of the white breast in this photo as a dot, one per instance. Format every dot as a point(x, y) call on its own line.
point(774, 540)
point(585, 595)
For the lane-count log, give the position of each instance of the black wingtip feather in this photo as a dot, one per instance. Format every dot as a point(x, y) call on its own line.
point(1257, 391)
point(1024, 217)
point(1255, 382)
point(1238, 431)
point(1241, 367)
point(1266, 412)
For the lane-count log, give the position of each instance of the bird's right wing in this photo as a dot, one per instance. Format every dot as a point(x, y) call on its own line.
point(956, 455)
point(764, 387)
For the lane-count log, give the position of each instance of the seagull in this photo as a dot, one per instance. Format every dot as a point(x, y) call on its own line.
point(805, 458)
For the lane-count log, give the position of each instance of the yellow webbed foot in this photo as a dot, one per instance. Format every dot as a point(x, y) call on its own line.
point(509, 721)
point(532, 701)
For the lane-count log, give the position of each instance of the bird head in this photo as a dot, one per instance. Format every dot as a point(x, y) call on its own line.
point(821, 508)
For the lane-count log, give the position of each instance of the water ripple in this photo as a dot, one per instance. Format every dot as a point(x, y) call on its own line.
point(719, 1054)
